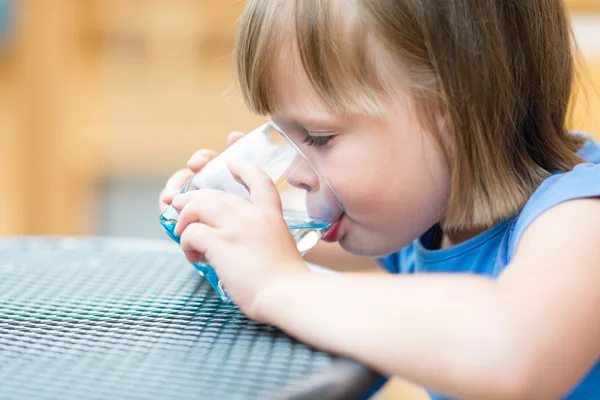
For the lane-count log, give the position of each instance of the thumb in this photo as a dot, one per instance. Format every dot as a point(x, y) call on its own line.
point(262, 189)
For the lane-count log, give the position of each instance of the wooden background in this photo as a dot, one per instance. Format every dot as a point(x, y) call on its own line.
point(97, 89)
point(102, 88)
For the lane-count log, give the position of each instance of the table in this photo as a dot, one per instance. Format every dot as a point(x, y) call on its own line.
point(99, 318)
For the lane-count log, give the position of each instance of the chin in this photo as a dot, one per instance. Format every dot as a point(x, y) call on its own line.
point(367, 247)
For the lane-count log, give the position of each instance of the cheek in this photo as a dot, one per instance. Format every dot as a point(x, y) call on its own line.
point(392, 193)
point(388, 173)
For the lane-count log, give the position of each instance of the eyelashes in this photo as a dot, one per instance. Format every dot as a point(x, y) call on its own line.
point(317, 141)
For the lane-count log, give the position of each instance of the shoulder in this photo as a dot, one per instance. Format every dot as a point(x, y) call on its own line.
point(581, 183)
point(590, 151)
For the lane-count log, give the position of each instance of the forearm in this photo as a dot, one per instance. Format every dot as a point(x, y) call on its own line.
point(332, 256)
point(449, 333)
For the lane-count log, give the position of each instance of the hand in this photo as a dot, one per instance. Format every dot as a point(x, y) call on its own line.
point(194, 165)
point(248, 244)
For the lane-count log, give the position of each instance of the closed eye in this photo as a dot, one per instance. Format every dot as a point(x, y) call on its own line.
point(317, 141)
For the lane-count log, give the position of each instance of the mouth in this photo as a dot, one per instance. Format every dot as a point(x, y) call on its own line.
point(334, 232)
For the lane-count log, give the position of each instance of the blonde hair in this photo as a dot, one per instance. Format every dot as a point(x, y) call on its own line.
point(500, 73)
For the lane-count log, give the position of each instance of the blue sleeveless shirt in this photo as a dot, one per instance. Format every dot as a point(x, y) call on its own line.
point(490, 252)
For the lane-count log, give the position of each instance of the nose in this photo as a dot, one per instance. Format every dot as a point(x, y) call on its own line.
point(301, 175)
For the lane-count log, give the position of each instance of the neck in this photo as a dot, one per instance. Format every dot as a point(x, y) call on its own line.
point(451, 239)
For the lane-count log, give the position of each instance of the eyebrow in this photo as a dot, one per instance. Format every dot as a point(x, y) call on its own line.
point(307, 121)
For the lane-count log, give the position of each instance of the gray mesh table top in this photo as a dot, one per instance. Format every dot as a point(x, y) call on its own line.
point(131, 319)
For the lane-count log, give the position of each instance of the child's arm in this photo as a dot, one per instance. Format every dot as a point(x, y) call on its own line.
point(533, 333)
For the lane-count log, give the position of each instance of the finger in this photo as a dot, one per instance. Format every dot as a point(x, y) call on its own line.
point(183, 199)
point(210, 207)
point(173, 187)
point(257, 182)
point(178, 180)
point(234, 137)
point(166, 198)
point(199, 159)
point(194, 242)
point(163, 202)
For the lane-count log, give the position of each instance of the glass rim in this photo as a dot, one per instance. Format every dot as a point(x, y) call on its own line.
point(279, 130)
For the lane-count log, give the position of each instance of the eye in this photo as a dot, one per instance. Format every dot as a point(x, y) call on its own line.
point(317, 141)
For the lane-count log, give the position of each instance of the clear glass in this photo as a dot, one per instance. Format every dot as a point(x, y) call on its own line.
point(310, 205)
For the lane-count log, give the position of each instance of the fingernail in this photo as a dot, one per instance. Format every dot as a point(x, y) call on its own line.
point(198, 159)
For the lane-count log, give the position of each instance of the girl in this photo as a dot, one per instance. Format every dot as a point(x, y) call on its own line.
point(441, 126)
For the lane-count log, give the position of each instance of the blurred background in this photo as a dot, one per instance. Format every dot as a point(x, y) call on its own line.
point(101, 100)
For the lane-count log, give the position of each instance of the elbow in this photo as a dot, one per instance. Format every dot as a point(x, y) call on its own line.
point(510, 365)
point(519, 375)
point(543, 377)
point(508, 383)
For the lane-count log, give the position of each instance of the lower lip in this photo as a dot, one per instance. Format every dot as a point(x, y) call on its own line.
point(333, 233)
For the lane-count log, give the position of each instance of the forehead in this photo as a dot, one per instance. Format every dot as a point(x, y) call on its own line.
point(292, 93)
point(307, 56)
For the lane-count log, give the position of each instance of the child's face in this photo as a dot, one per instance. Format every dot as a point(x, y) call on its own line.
point(390, 174)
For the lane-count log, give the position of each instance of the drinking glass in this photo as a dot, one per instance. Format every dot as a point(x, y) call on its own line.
point(310, 205)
